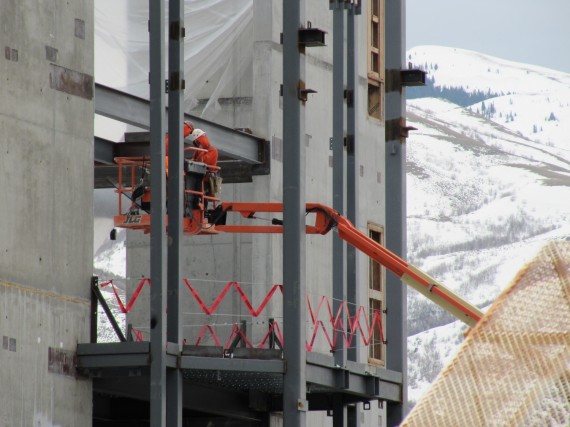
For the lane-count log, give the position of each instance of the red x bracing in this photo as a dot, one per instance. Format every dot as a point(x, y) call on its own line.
point(333, 328)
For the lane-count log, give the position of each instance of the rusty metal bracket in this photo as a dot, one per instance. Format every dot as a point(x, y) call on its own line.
point(302, 92)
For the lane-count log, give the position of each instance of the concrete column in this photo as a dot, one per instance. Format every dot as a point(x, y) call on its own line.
point(46, 220)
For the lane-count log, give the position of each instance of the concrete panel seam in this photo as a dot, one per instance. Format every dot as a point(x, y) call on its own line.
point(45, 293)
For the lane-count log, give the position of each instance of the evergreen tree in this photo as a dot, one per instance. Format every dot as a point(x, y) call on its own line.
point(457, 95)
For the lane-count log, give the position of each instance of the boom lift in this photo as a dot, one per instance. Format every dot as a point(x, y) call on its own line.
point(201, 221)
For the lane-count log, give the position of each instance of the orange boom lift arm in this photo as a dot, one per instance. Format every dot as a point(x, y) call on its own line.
point(325, 218)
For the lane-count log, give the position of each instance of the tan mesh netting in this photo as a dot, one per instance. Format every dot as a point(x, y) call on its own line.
point(513, 369)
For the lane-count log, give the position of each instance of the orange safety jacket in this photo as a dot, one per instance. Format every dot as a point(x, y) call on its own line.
point(210, 157)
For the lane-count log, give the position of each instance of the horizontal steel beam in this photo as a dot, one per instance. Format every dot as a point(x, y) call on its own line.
point(356, 378)
point(227, 364)
point(113, 361)
point(327, 361)
point(113, 355)
point(321, 379)
point(129, 347)
point(133, 110)
point(104, 151)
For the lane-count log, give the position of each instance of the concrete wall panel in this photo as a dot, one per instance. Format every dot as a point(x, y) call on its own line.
point(39, 331)
point(46, 219)
point(47, 148)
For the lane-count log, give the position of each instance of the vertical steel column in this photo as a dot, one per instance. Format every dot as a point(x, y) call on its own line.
point(351, 169)
point(94, 310)
point(396, 334)
point(339, 411)
point(294, 387)
point(158, 215)
point(352, 188)
point(175, 205)
point(339, 162)
point(339, 188)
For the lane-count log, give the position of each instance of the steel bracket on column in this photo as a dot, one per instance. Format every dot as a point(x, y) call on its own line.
point(342, 379)
point(349, 143)
point(303, 92)
point(177, 30)
point(311, 37)
point(345, 4)
point(413, 77)
point(175, 82)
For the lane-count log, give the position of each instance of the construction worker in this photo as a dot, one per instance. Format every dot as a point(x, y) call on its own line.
point(209, 158)
point(200, 140)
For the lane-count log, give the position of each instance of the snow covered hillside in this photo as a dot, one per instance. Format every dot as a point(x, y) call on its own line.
point(488, 184)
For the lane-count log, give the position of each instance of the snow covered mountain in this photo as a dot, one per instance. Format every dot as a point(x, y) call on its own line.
point(488, 184)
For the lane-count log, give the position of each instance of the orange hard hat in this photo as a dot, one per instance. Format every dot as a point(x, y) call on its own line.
point(188, 128)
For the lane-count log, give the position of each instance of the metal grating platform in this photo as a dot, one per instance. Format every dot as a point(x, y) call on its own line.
point(237, 380)
point(257, 371)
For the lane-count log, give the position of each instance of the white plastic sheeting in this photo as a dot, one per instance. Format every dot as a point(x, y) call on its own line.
point(218, 51)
